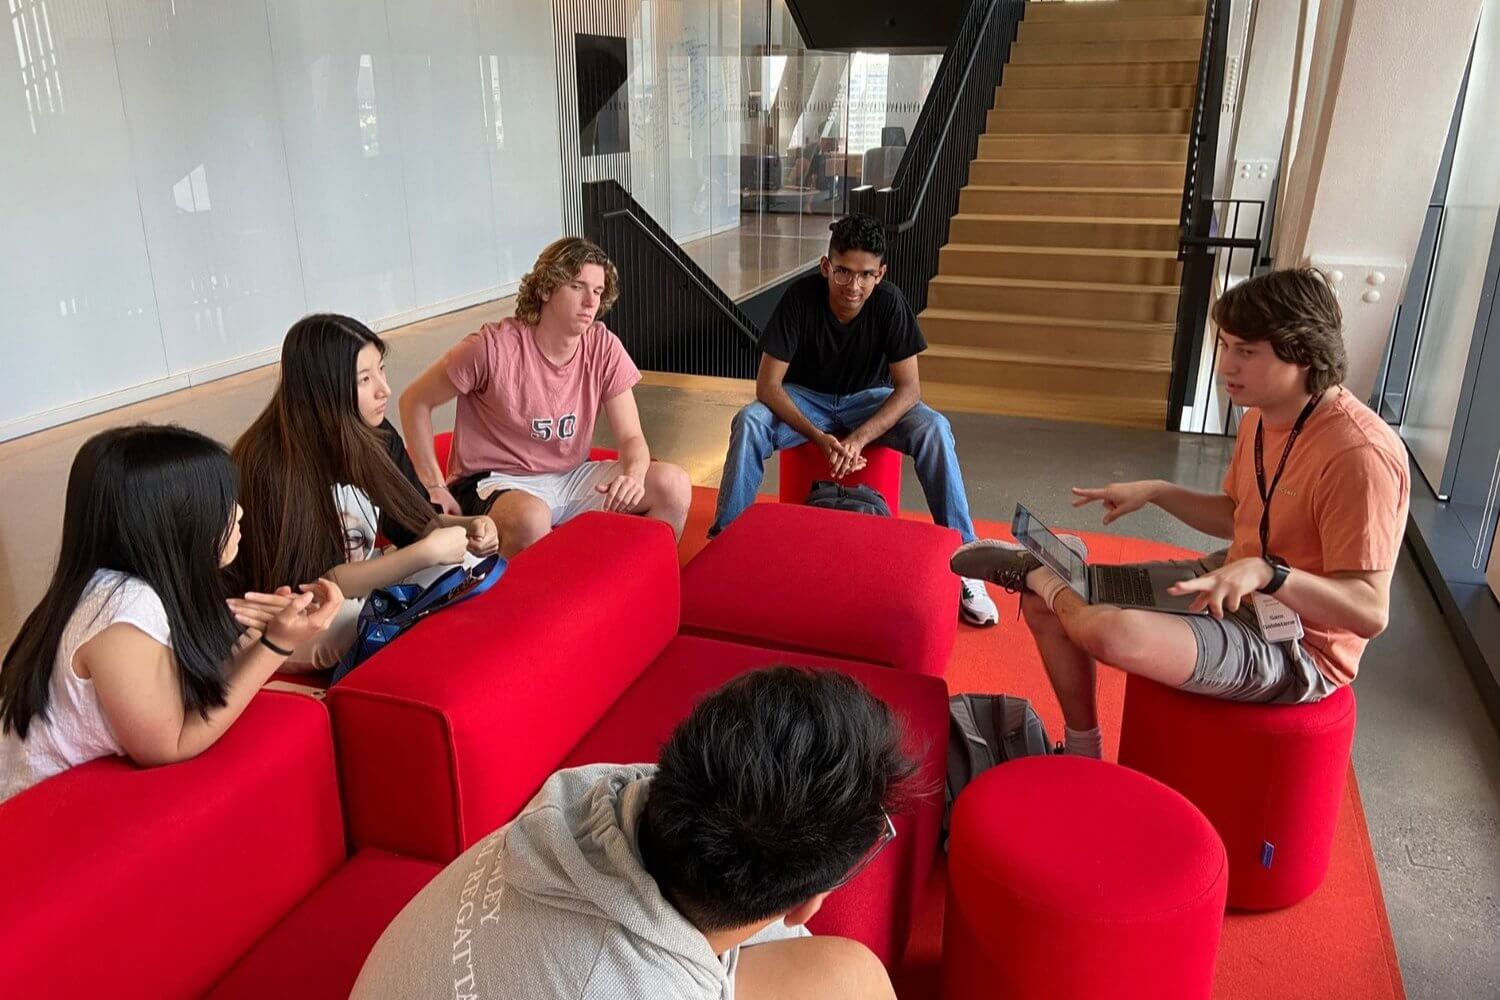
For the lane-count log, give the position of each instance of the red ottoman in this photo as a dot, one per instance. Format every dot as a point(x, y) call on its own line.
point(1269, 778)
point(855, 586)
point(1073, 879)
point(804, 465)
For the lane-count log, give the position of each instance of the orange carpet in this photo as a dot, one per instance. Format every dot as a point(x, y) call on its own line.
point(1336, 945)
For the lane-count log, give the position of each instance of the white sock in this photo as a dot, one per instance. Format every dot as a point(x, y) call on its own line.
point(1084, 743)
point(1045, 584)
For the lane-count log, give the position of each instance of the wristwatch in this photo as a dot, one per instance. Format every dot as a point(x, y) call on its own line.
point(1279, 572)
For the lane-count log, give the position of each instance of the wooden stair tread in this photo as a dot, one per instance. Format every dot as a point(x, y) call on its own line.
point(998, 354)
point(1088, 135)
point(1054, 159)
point(1095, 65)
point(1061, 286)
point(1112, 220)
point(1044, 189)
point(990, 316)
point(1044, 405)
point(1063, 251)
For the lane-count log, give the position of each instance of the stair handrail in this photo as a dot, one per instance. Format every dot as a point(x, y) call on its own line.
point(1198, 239)
point(1195, 220)
point(671, 250)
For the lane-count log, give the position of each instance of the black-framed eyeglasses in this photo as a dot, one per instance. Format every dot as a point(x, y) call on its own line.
point(886, 836)
point(844, 276)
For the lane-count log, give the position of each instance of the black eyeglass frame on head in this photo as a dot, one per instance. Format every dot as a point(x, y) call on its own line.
point(881, 842)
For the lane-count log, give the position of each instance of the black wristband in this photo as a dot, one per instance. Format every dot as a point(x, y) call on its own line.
point(266, 642)
point(1279, 572)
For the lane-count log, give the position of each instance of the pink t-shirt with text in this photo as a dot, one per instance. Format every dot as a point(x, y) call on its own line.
point(520, 414)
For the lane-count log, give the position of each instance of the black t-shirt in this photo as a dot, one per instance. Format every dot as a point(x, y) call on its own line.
point(396, 448)
point(826, 356)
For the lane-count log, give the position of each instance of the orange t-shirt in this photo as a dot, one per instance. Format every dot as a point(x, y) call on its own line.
point(1340, 506)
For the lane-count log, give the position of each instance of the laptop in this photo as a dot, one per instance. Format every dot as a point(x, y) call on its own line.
point(1126, 586)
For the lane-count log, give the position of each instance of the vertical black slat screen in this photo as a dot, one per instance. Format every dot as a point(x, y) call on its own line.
point(923, 196)
point(1197, 241)
point(671, 315)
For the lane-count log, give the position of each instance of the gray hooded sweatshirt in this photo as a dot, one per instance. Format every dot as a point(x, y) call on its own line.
point(554, 905)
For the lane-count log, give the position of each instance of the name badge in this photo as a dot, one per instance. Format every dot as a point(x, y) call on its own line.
point(1278, 623)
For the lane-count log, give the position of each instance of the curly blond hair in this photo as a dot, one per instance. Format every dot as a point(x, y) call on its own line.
point(557, 265)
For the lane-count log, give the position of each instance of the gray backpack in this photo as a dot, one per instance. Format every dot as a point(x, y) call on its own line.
point(860, 499)
point(985, 730)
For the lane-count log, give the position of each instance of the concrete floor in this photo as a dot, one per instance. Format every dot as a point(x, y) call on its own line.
point(1428, 757)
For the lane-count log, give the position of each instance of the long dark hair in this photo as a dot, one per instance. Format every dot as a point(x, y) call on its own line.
point(309, 439)
point(156, 503)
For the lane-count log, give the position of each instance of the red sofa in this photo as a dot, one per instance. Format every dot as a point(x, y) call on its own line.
point(230, 869)
point(441, 743)
point(268, 866)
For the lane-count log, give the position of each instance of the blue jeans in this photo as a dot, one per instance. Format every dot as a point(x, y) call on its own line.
point(922, 432)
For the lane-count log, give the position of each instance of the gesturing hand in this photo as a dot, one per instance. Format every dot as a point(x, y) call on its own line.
point(1225, 589)
point(288, 619)
point(484, 540)
point(623, 493)
point(1119, 499)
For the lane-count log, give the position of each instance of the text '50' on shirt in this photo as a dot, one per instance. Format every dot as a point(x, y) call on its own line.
point(827, 356)
point(520, 414)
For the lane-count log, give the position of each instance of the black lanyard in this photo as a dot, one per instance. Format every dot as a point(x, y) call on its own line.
point(1260, 468)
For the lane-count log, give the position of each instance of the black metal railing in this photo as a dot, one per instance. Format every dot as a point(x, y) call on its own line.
point(670, 315)
point(1198, 238)
point(923, 196)
point(1223, 259)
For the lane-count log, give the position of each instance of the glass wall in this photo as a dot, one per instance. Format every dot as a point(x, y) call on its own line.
point(810, 126)
point(184, 178)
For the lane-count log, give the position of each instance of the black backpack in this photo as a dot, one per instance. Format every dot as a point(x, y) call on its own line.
point(985, 730)
point(860, 499)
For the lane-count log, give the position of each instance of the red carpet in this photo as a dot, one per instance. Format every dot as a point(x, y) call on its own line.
point(1335, 945)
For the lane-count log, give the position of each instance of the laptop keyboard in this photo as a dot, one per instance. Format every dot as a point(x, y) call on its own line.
point(1124, 585)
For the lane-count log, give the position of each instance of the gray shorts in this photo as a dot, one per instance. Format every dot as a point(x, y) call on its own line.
point(1235, 662)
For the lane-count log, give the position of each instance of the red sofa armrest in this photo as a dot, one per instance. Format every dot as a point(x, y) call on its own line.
point(125, 882)
point(447, 733)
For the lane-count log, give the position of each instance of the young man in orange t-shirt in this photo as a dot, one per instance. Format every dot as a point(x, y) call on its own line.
point(1339, 486)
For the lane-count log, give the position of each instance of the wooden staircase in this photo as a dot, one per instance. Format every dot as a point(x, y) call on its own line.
point(1056, 294)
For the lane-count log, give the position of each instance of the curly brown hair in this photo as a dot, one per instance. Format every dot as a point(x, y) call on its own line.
point(1296, 312)
point(557, 265)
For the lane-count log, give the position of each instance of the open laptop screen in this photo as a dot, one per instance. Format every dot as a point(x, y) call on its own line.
point(1047, 547)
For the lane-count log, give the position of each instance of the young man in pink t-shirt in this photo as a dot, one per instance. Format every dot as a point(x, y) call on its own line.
point(1338, 486)
point(529, 391)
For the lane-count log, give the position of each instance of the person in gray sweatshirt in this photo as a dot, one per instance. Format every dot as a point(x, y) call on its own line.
point(690, 878)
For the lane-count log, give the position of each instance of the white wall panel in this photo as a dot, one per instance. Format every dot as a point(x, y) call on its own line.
point(449, 201)
point(339, 111)
point(526, 187)
point(210, 170)
point(77, 312)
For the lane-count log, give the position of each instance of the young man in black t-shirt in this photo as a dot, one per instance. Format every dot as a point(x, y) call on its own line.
point(839, 368)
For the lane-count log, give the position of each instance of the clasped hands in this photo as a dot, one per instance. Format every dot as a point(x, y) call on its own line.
point(286, 618)
point(844, 456)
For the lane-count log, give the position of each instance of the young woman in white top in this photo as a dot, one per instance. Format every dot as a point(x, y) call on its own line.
point(132, 650)
point(323, 474)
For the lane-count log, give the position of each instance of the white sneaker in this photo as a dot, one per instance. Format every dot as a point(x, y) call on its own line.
point(974, 604)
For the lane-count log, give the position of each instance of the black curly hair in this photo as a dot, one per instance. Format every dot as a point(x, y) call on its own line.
point(857, 232)
point(770, 792)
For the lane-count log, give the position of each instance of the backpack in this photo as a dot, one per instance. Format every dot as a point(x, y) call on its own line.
point(985, 730)
point(390, 611)
point(860, 499)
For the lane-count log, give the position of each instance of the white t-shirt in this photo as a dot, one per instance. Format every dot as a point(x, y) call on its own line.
point(75, 730)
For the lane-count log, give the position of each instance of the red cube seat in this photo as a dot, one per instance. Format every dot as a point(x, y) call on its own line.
point(804, 465)
point(1269, 778)
point(853, 585)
